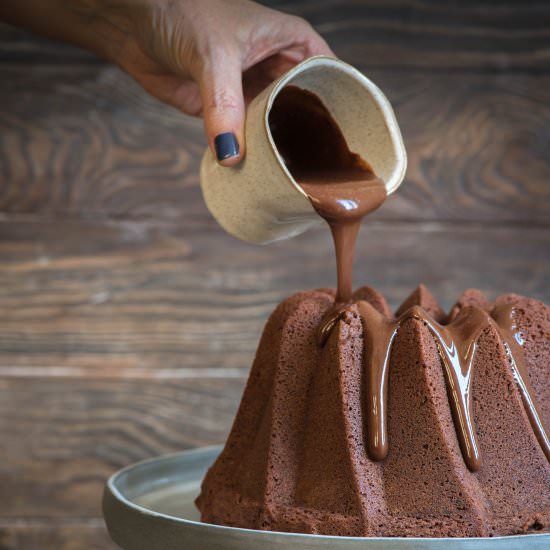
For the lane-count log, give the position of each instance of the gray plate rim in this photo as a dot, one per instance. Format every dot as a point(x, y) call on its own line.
point(112, 487)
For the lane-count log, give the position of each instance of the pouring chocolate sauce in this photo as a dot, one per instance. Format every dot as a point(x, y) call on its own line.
point(343, 189)
point(340, 184)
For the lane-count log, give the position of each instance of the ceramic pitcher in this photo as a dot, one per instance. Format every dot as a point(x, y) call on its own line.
point(258, 200)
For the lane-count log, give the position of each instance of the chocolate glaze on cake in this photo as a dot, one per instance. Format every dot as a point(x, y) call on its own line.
point(457, 345)
point(307, 454)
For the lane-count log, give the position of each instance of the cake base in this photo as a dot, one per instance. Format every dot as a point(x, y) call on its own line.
point(150, 505)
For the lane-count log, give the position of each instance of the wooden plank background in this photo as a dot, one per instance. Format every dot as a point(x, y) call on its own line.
point(128, 319)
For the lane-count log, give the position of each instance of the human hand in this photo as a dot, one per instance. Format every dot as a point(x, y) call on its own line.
point(211, 57)
point(204, 57)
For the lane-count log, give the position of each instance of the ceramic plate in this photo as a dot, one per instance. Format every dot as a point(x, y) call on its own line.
point(149, 506)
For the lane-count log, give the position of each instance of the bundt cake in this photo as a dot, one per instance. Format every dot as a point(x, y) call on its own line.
point(358, 422)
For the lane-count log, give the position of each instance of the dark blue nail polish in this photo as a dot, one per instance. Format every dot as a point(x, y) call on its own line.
point(226, 145)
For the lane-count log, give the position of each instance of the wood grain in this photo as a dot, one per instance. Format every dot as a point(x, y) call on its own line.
point(79, 432)
point(45, 535)
point(88, 142)
point(160, 300)
point(434, 35)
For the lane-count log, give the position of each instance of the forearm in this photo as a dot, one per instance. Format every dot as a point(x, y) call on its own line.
point(97, 25)
point(191, 54)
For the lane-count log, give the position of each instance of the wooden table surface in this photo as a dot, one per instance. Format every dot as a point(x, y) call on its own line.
point(128, 319)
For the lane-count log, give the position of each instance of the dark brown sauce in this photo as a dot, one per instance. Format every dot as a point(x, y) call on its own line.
point(340, 184)
point(505, 319)
point(456, 344)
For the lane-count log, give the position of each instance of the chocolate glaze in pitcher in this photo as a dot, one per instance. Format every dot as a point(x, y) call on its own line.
point(340, 184)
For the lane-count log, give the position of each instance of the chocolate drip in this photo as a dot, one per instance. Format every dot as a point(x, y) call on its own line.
point(504, 317)
point(329, 322)
point(456, 343)
point(379, 334)
point(341, 185)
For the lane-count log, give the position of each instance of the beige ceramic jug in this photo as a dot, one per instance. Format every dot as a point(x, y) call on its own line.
point(259, 201)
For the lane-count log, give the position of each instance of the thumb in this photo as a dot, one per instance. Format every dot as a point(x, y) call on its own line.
point(223, 108)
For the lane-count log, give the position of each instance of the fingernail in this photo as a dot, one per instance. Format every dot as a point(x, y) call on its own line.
point(226, 145)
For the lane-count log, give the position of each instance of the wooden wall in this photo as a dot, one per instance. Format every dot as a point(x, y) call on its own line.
point(128, 319)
